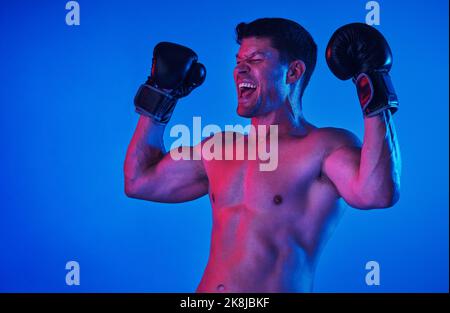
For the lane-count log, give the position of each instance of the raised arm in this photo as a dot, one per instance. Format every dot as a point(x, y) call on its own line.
point(150, 172)
point(368, 177)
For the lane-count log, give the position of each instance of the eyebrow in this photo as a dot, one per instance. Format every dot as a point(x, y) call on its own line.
point(250, 55)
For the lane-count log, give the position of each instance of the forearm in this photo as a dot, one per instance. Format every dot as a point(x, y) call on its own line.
point(144, 151)
point(380, 166)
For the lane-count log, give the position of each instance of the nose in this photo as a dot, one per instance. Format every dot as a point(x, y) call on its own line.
point(242, 68)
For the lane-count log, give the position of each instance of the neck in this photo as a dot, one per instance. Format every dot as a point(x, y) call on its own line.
point(290, 122)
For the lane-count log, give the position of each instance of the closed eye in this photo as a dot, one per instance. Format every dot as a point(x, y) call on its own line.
point(251, 61)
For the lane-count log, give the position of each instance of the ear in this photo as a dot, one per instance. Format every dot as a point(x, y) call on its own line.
point(295, 71)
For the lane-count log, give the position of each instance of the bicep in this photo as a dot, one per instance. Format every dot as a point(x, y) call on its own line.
point(341, 166)
point(177, 177)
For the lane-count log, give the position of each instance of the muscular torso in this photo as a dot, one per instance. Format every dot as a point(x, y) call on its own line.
point(268, 226)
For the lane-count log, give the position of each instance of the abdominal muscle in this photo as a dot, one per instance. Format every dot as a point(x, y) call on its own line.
point(255, 252)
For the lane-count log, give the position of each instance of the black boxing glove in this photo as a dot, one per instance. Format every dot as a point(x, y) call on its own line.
point(175, 73)
point(359, 51)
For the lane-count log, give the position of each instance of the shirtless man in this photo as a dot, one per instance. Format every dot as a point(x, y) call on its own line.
point(269, 226)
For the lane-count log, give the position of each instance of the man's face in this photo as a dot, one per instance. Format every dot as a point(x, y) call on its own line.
point(260, 77)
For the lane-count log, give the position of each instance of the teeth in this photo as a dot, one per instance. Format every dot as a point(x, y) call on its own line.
point(247, 85)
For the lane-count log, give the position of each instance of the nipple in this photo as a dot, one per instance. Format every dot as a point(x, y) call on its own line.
point(277, 199)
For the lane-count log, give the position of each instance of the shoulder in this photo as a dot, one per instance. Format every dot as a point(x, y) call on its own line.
point(335, 138)
point(222, 139)
point(224, 136)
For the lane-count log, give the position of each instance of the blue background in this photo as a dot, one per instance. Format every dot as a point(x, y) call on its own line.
point(67, 117)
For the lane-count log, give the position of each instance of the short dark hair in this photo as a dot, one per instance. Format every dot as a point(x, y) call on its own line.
point(292, 41)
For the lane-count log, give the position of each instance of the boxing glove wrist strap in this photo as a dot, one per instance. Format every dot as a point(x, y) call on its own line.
point(376, 93)
point(154, 103)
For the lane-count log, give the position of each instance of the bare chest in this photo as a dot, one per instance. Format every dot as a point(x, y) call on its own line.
point(247, 182)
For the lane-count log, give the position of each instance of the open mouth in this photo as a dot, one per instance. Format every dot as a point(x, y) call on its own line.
point(246, 89)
